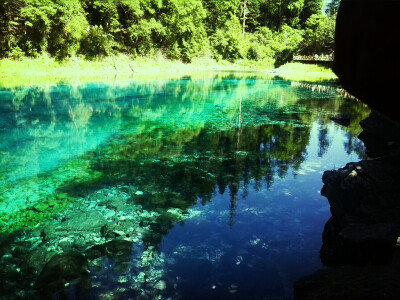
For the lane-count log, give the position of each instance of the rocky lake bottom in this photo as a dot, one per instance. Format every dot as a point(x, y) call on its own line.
point(199, 188)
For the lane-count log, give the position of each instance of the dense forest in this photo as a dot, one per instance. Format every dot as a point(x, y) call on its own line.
point(257, 30)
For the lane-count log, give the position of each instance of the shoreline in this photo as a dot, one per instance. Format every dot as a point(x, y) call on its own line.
point(45, 70)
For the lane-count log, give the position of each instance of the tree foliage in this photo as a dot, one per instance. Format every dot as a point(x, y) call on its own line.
point(332, 8)
point(319, 35)
point(179, 29)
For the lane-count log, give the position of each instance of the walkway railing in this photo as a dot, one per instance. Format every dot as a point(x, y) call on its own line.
point(323, 57)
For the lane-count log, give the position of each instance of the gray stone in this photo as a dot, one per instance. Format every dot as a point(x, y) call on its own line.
point(77, 223)
point(117, 229)
point(63, 272)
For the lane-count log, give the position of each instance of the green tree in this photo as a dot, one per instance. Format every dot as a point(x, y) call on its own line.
point(10, 26)
point(186, 36)
point(310, 8)
point(274, 14)
point(332, 8)
point(69, 26)
point(146, 35)
point(260, 46)
point(319, 36)
point(96, 43)
point(286, 43)
point(218, 12)
point(228, 42)
point(37, 22)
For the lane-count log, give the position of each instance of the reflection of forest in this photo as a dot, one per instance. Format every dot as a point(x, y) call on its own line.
point(209, 161)
point(323, 87)
point(175, 140)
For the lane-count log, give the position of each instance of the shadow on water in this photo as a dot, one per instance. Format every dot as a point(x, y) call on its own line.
point(95, 177)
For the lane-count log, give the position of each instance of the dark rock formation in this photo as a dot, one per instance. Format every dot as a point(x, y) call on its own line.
point(380, 135)
point(367, 61)
point(371, 282)
point(361, 241)
point(365, 224)
point(342, 119)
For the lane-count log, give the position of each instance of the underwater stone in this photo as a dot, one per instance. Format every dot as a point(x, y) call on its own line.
point(118, 250)
point(36, 259)
point(60, 271)
point(160, 285)
point(115, 202)
point(66, 243)
point(113, 230)
point(40, 207)
point(21, 252)
point(77, 222)
point(98, 197)
point(123, 268)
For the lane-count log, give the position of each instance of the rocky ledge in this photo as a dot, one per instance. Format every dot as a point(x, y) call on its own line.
point(361, 244)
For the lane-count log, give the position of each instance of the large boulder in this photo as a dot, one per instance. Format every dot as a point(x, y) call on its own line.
point(64, 275)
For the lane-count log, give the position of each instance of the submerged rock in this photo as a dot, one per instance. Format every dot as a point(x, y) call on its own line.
point(64, 274)
point(160, 285)
point(78, 222)
point(120, 229)
point(118, 250)
point(36, 260)
point(342, 119)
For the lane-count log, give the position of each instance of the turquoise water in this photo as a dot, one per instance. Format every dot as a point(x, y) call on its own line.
point(197, 188)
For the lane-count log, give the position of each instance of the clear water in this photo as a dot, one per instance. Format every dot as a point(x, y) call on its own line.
point(203, 188)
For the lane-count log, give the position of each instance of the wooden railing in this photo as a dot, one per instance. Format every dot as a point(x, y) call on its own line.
point(323, 57)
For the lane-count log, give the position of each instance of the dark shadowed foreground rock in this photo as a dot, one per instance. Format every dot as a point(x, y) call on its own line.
point(371, 282)
point(65, 276)
point(380, 135)
point(360, 240)
point(365, 206)
point(367, 61)
point(364, 196)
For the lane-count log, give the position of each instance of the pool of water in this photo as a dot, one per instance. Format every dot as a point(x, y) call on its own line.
point(197, 188)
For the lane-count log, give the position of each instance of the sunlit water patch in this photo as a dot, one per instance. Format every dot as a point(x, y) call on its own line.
point(184, 189)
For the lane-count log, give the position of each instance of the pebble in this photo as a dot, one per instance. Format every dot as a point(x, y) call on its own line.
point(160, 285)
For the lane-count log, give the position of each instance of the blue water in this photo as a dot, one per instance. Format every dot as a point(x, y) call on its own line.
point(202, 188)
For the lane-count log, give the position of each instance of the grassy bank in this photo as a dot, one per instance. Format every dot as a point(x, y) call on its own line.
point(305, 72)
point(44, 69)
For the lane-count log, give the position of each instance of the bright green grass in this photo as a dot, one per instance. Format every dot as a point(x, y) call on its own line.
point(305, 72)
point(46, 70)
